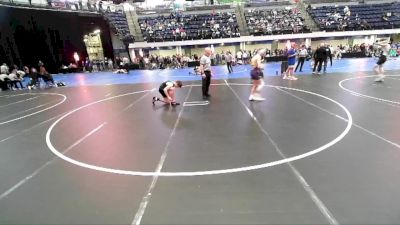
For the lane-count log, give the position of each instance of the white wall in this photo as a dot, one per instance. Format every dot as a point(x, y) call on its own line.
point(336, 42)
point(253, 47)
point(166, 52)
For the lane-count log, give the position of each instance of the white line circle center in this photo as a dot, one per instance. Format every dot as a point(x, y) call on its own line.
point(199, 173)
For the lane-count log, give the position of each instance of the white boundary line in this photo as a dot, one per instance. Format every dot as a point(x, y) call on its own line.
point(42, 110)
point(21, 112)
point(31, 128)
point(146, 198)
point(354, 124)
point(17, 102)
point(36, 172)
point(10, 96)
point(196, 103)
point(318, 202)
point(366, 96)
point(199, 173)
point(391, 78)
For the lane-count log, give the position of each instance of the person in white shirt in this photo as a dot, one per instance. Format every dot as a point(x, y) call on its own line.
point(245, 57)
point(14, 80)
point(239, 57)
point(205, 71)
point(110, 64)
point(302, 57)
point(4, 69)
point(384, 46)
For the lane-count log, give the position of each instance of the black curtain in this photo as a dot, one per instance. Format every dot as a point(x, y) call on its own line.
point(27, 36)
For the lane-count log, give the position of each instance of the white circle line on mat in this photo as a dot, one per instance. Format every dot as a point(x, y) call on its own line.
point(363, 95)
point(199, 173)
point(39, 111)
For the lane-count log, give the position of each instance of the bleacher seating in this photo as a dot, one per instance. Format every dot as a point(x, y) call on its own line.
point(275, 21)
point(119, 22)
point(362, 17)
point(176, 27)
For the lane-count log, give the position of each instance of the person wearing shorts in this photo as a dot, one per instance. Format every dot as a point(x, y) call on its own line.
point(385, 47)
point(257, 76)
point(291, 54)
point(167, 91)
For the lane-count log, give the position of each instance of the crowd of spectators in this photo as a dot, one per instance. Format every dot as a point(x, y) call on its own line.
point(241, 57)
point(13, 78)
point(357, 17)
point(178, 26)
point(368, 50)
point(275, 21)
point(119, 65)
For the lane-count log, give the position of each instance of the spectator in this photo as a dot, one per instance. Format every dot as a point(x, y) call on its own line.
point(262, 22)
point(4, 80)
point(14, 80)
point(181, 27)
point(4, 69)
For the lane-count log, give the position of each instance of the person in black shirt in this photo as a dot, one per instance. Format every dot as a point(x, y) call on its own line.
point(328, 54)
point(319, 58)
point(167, 91)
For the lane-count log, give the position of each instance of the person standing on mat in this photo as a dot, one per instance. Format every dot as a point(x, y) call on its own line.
point(257, 76)
point(302, 57)
point(319, 57)
point(167, 90)
point(229, 59)
point(328, 54)
point(291, 54)
point(331, 53)
point(385, 47)
point(205, 71)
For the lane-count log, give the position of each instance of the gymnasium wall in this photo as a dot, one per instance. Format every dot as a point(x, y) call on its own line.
point(27, 36)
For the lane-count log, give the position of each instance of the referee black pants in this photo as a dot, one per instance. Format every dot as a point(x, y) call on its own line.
point(318, 62)
point(229, 65)
point(206, 81)
point(300, 63)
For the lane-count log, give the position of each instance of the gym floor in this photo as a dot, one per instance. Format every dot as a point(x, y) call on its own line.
point(321, 150)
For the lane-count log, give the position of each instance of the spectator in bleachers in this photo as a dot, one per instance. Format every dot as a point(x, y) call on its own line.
point(346, 11)
point(263, 22)
point(176, 27)
point(357, 17)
